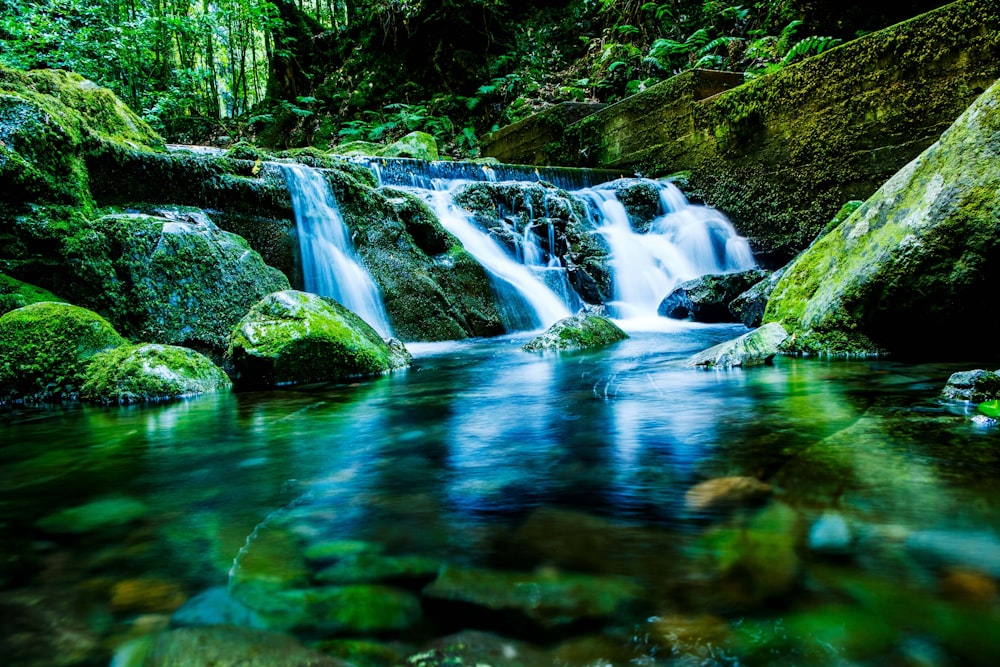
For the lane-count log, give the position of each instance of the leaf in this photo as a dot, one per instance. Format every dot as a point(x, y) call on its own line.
point(990, 408)
point(256, 167)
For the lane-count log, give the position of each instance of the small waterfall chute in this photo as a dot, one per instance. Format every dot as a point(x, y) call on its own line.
point(330, 264)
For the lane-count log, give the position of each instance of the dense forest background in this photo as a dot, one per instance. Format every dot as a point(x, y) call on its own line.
point(321, 72)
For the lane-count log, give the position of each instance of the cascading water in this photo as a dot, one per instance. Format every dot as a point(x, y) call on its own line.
point(329, 262)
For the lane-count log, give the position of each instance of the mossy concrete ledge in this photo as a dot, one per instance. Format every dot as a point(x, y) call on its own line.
point(294, 337)
point(782, 153)
point(915, 269)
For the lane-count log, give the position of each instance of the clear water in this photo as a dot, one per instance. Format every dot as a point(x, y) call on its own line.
point(550, 466)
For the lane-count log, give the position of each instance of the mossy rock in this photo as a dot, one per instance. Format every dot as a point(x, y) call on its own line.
point(753, 349)
point(45, 348)
point(294, 337)
point(16, 294)
point(94, 516)
point(244, 150)
point(143, 373)
point(416, 145)
point(357, 149)
point(176, 282)
point(707, 299)
point(921, 255)
point(579, 332)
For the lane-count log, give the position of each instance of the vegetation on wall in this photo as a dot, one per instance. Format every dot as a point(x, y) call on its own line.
point(320, 72)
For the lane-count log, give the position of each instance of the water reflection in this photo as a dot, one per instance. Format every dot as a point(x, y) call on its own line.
point(566, 473)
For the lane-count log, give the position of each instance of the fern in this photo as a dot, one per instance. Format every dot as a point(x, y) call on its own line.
point(786, 35)
point(809, 46)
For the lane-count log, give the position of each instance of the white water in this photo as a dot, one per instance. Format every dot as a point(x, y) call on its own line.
point(528, 301)
point(684, 242)
point(329, 262)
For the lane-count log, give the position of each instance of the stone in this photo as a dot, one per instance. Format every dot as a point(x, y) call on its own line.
point(416, 145)
point(686, 634)
point(830, 534)
point(170, 281)
point(220, 646)
point(752, 349)
point(726, 492)
point(548, 597)
point(749, 307)
point(294, 337)
point(474, 647)
point(214, 606)
point(706, 299)
point(45, 348)
point(921, 254)
point(374, 568)
point(110, 512)
point(974, 386)
point(143, 373)
point(16, 294)
point(146, 595)
point(579, 332)
point(45, 628)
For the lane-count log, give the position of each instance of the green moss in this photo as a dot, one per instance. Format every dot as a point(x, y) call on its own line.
point(143, 373)
point(16, 294)
point(244, 150)
point(296, 337)
point(45, 347)
point(416, 145)
point(579, 332)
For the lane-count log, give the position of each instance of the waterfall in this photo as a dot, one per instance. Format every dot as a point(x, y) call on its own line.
point(525, 298)
point(684, 241)
point(330, 265)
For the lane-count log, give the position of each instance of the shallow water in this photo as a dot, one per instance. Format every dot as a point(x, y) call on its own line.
point(879, 544)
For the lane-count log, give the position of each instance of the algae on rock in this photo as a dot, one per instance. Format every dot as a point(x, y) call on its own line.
point(142, 373)
point(579, 332)
point(921, 255)
point(294, 337)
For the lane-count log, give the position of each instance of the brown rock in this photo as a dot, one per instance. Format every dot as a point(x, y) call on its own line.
point(725, 492)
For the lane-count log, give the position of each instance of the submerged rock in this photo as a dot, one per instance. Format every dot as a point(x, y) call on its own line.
point(974, 386)
point(548, 598)
point(753, 349)
point(94, 516)
point(45, 348)
point(295, 337)
point(142, 373)
point(579, 332)
point(371, 567)
point(220, 646)
point(706, 299)
point(922, 254)
point(46, 628)
point(726, 492)
point(830, 534)
point(177, 282)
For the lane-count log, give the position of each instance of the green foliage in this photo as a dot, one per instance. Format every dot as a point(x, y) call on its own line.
point(990, 408)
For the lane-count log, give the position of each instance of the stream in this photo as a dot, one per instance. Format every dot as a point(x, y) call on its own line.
point(537, 505)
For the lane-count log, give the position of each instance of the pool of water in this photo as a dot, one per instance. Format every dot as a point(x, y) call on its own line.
point(538, 507)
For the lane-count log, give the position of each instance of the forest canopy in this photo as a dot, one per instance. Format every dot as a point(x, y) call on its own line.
point(321, 72)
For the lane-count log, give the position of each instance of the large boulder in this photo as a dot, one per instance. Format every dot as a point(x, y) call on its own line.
point(151, 372)
point(753, 349)
point(293, 337)
point(921, 255)
point(177, 282)
point(18, 294)
point(45, 348)
point(749, 307)
point(581, 331)
point(974, 386)
point(707, 299)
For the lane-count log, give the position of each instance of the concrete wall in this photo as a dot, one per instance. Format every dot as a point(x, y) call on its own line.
point(782, 153)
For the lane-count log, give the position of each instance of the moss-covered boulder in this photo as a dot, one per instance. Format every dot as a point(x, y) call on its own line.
point(432, 287)
point(921, 255)
point(293, 337)
point(579, 332)
point(417, 145)
point(707, 299)
point(142, 373)
point(974, 386)
point(17, 294)
point(749, 306)
point(752, 349)
point(182, 281)
point(45, 348)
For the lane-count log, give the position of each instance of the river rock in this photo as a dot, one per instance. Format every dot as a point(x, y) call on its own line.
point(373, 568)
point(143, 373)
point(579, 332)
point(215, 606)
point(94, 516)
point(45, 348)
point(295, 337)
point(474, 647)
point(749, 306)
point(176, 282)
point(688, 634)
point(417, 145)
point(725, 492)
point(830, 534)
point(220, 646)
point(46, 628)
point(974, 386)
point(16, 294)
point(547, 598)
point(922, 254)
point(753, 349)
point(706, 299)
point(146, 595)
